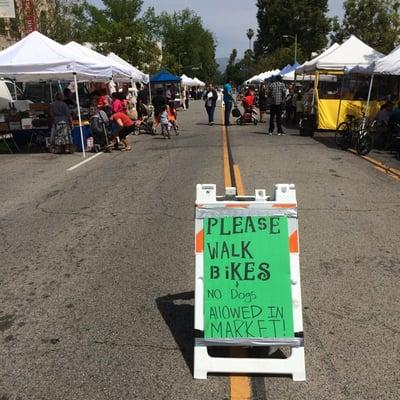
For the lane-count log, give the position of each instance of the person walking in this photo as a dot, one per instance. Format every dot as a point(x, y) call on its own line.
point(210, 97)
point(159, 102)
point(277, 93)
point(262, 101)
point(228, 101)
point(172, 117)
point(165, 124)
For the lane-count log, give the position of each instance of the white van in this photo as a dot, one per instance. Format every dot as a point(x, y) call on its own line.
point(11, 93)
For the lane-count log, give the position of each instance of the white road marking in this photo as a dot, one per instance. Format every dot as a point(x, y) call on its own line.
point(85, 161)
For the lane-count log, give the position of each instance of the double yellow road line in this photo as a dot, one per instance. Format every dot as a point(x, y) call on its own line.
point(240, 387)
point(392, 172)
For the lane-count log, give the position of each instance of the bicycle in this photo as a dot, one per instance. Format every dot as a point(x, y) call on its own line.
point(355, 132)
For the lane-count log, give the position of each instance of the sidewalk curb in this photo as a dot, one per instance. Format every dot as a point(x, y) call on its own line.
point(393, 172)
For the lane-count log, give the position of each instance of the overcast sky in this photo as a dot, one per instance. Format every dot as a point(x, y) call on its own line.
point(227, 19)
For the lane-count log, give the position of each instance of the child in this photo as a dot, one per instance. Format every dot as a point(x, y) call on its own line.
point(172, 118)
point(165, 125)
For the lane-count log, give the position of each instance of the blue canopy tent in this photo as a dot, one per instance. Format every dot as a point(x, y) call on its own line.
point(285, 70)
point(288, 69)
point(164, 77)
point(289, 74)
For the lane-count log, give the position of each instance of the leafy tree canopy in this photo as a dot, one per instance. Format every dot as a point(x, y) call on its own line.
point(375, 22)
point(187, 46)
point(239, 71)
point(278, 18)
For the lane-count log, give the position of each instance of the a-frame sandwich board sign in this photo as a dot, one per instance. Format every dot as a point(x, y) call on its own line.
point(247, 280)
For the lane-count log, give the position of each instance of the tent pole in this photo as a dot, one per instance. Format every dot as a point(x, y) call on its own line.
point(150, 99)
point(15, 90)
point(51, 91)
point(340, 101)
point(79, 114)
point(315, 93)
point(368, 101)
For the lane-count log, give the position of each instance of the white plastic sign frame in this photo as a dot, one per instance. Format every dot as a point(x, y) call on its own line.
point(283, 204)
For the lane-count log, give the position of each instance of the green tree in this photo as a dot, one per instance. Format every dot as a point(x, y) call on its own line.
point(63, 21)
point(279, 58)
point(117, 27)
point(238, 71)
point(187, 46)
point(232, 72)
point(277, 18)
point(377, 23)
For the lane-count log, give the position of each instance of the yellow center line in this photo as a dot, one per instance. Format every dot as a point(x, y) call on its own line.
point(239, 182)
point(380, 166)
point(227, 174)
point(240, 388)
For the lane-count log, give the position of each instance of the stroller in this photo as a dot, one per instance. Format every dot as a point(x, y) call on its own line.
point(145, 123)
point(248, 117)
point(100, 130)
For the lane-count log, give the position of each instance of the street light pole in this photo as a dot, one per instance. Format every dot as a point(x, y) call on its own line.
point(295, 45)
point(179, 61)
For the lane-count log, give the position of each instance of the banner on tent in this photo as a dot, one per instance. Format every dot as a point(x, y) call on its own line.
point(7, 9)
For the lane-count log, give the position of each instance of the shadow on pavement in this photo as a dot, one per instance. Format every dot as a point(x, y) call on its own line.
point(328, 141)
point(178, 313)
point(206, 124)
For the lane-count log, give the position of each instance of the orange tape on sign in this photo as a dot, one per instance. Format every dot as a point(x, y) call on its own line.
point(200, 241)
point(294, 242)
point(284, 206)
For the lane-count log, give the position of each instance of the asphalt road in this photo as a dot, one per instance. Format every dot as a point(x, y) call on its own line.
point(97, 268)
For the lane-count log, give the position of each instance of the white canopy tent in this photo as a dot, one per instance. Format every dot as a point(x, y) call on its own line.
point(290, 76)
point(186, 81)
point(198, 82)
point(387, 65)
point(252, 79)
point(262, 77)
point(350, 53)
point(37, 57)
point(307, 65)
point(119, 72)
point(136, 75)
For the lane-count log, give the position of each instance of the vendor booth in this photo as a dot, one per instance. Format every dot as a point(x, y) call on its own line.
point(36, 58)
point(384, 84)
point(165, 78)
point(334, 100)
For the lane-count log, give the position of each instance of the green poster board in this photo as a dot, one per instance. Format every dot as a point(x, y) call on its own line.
point(247, 286)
